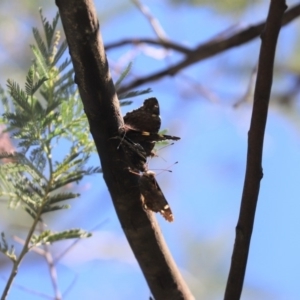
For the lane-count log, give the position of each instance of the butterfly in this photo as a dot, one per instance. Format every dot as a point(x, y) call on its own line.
point(142, 126)
point(153, 197)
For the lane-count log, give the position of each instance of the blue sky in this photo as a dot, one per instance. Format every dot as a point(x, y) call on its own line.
point(204, 189)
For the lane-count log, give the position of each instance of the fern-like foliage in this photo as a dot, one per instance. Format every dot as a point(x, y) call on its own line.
point(5, 249)
point(43, 114)
point(39, 117)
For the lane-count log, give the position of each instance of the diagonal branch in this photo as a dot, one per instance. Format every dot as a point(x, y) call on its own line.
point(255, 147)
point(140, 41)
point(204, 51)
point(101, 106)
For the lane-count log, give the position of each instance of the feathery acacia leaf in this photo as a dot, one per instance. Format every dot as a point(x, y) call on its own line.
point(123, 75)
point(8, 251)
point(18, 95)
point(40, 43)
point(64, 180)
point(64, 64)
point(62, 197)
point(51, 208)
point(50, 237)
point(48, 110)
point(48, 28)
point(61, 50)
point(41, 62)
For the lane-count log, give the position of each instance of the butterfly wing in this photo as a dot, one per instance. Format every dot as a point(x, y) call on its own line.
point(153, 197)
point(146, 118)
point(141, 121)
point(142, 126)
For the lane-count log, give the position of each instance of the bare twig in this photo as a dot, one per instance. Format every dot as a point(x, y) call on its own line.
point(49, 258)
point(138, 41)
point(255, 147)
point(101, 106)
point(204, 51)
point(53, 273)
point(52, 269)
point(74, 243)
point(248, 93)
point(157, 28)
point(24, 251)
point(69, 288)
point(200, 89)
point(30, 291)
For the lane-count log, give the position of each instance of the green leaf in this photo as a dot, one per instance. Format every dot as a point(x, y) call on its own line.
point(62, 181)
point(31, 212)
point(37, 85)
point(62, 197)
point(19, 96)
point(67, 76)
point(66, 164)
point(8, 251)
point(123, 75)
point(69, 234)
point(41, 62)
point(64, 65)
point(51, 208)
point(63, 47)
point(40, 43)
point(48, 28)
point(47, 236)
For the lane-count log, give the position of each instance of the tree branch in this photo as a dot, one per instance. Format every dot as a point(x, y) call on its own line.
point(139, 41)
point(255, 147)
point(203, 51)
point(102, 109)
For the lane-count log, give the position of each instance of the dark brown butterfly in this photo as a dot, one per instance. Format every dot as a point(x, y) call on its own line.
point(153, 197)
point(142, 126)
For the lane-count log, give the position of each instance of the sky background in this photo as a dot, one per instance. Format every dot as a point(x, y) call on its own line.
point(204, 188)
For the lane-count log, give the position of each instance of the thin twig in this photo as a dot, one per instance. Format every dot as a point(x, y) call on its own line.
point(138, 41)
point(49, 258)
point(157, 28)
point(69, 288)
point(207, 50)
point(255, 147)
point(52, 269)
point(30, 291)
point(21, 256)
point(249, 90)
point(73, 244)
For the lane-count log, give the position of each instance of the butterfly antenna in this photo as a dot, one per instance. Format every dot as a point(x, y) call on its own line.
point(167, 169)
point(153, 154)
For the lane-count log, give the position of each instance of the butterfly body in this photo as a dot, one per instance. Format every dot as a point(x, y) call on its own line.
point(134, 153)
